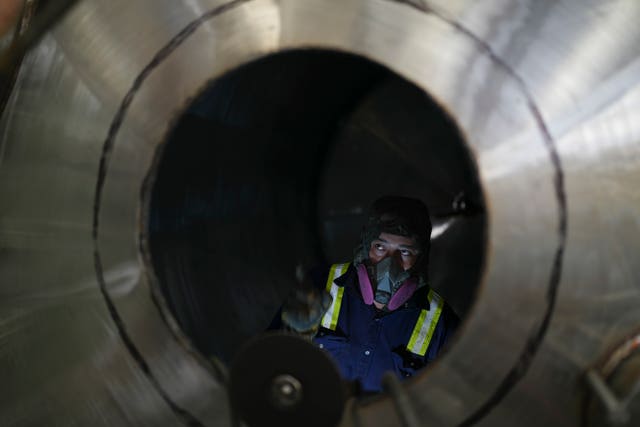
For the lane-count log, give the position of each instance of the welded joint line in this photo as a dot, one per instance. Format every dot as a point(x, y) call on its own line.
point(185, 416)
point(517, 372)
point(105, 158)
point(213, 366)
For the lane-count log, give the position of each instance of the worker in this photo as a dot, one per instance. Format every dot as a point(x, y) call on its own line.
point(377, 313)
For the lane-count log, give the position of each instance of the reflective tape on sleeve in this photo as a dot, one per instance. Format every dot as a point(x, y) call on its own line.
point(426, 325)
point(330, 318)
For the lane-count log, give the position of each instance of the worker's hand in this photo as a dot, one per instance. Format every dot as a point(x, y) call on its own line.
point(304, 307)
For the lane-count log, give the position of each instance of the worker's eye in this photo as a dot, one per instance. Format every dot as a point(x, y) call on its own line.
point(406, 252)
point(378, 247)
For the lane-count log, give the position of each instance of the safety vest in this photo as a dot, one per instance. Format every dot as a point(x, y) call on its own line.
point(422, 331)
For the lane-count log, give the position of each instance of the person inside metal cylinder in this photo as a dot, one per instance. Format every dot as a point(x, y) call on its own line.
point(381, 314)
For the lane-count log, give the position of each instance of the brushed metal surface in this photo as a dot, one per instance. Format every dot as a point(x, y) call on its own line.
point(546, 93)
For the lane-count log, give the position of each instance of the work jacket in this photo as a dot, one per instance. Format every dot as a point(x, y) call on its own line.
point(365, 342)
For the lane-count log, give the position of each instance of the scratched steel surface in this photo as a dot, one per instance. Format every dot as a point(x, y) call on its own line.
point(546, 92)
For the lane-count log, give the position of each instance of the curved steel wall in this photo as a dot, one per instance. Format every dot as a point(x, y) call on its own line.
point(547, 94)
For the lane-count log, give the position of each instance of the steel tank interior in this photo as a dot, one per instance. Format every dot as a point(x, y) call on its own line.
point(165, 166)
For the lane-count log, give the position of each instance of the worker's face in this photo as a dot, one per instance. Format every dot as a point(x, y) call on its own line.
point(404, 250)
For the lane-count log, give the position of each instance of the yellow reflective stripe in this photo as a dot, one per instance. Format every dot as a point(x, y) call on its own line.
point(332, 276)
point(416, 330)
point(330, 318)
point(336, 310)
point(426, 325)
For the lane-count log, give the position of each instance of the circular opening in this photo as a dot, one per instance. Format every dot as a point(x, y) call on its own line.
point(273, 167)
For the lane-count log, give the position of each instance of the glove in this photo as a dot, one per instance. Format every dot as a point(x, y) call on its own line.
point(304, 307)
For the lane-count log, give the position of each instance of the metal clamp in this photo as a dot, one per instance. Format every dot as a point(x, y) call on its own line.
point(617, 411)
point(617, 408)
point(400, 397)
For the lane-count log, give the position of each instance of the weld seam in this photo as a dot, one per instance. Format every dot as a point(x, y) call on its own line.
point(536, 336)
point(185, 416)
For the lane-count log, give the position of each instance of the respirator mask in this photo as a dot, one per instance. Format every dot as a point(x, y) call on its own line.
point(392, 284)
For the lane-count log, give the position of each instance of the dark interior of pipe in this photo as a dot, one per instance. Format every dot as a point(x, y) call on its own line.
point(273, 167)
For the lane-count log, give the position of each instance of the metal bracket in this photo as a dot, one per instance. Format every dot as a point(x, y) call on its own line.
point(400, 397)
point(618, 409)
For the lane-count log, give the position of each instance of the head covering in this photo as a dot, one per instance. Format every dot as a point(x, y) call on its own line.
point(403, 216)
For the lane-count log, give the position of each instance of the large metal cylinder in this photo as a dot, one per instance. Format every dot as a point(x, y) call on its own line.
point(542, 95)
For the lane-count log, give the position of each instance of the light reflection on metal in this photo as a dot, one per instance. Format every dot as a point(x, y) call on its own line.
point(440, 228)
